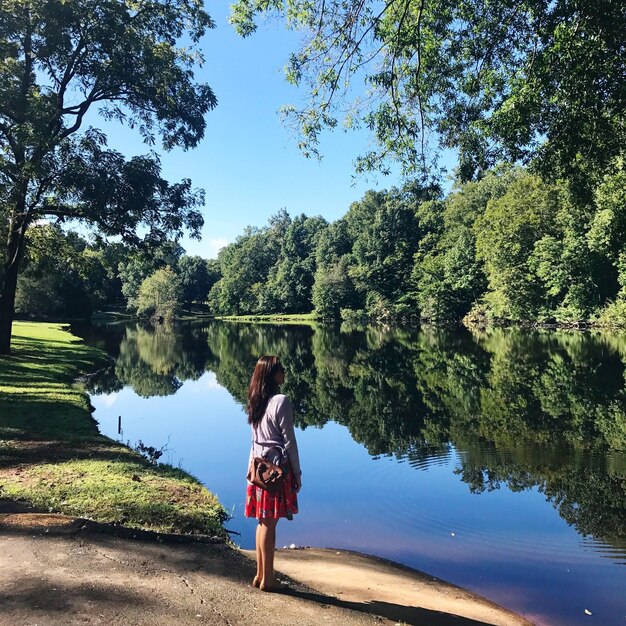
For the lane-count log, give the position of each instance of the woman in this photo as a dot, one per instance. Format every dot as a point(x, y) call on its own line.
point(270, 415)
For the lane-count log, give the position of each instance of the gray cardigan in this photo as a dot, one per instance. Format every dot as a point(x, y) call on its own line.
point(276, 429)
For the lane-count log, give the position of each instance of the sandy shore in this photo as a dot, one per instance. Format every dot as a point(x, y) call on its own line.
point(57, 570)
point(392, 590)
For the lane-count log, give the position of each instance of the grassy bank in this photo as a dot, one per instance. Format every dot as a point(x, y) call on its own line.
point(53, 457)
point(283, 318)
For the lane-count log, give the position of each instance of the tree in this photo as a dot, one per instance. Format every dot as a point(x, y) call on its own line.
point(607, 236)
point(333, 289)
point(62, 275)
point(195, 281)
point(159, 295)
point(245, 265)
point(506, 234)
point(59, 60)
point(291, 280)
point(447, 277)
point(510, 80)
point(143, 262)
point(385, 233)
point(52, 281)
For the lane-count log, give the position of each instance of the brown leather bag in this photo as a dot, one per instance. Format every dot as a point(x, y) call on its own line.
point(266, 475)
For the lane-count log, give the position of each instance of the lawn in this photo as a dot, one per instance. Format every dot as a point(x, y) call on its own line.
point(53, 457)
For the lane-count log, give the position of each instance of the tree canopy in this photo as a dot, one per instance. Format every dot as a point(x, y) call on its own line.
point(529, 80)
point(58, 60)
point(508, 247)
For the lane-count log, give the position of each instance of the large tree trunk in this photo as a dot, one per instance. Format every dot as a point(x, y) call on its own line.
point(15, 246)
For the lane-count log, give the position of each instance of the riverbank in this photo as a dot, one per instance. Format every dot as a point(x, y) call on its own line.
point(272, 318)
point(473, 323)
point(53, 457)
point(58, 570)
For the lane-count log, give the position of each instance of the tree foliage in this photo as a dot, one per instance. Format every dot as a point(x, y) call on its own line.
point(160, 295)
point(269, 269)
point(66, 276)
point(508, 247)
point(61, 59)
point(535, 80)
point(138, 264)
point(195, 280)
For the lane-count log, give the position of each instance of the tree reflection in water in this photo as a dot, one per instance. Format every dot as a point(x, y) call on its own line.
point(522, 408)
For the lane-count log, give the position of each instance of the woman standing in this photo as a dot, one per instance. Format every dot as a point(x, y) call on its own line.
point(270, 415)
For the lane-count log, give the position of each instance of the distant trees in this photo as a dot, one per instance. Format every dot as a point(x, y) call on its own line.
point(160, 295)
point(507, 247)
point(290, 280)
point(333, 288)
point(52, 283)
point(61, 59)
point(139, 264)
point(67, 276)
point(64, 276)
point(195, 280)
point(269, 269)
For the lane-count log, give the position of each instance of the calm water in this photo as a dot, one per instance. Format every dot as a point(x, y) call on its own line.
point(494, 460)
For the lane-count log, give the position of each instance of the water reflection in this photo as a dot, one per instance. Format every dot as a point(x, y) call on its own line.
point(544, 410)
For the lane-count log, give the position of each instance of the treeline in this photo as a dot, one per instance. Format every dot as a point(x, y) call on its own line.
point(509, 247)
point(67, 276)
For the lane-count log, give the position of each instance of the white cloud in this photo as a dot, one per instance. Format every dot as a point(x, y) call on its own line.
point(211, 381)
point(206, 381)
point(215, 245)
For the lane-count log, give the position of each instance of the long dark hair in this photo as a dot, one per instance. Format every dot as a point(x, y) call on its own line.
point(262, 387)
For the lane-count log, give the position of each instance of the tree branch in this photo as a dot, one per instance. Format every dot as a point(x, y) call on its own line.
point(399, 119)
point(15, 147)
point(354, 49)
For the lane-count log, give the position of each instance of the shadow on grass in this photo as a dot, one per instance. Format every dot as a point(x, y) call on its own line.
point(24, 451)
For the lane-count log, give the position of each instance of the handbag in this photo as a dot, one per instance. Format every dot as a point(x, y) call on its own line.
point(265, 474)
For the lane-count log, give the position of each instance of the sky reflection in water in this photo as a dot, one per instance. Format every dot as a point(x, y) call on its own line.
point(448, 452)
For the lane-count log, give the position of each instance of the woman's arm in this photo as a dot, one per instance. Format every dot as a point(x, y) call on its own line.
point(284, 419)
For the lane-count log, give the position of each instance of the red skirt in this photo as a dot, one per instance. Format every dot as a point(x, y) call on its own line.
point(262, 504)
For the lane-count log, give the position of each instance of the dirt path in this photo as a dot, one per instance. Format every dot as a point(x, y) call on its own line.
point(56, 570)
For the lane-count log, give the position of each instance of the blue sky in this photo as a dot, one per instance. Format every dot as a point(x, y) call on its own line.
point(249, 163)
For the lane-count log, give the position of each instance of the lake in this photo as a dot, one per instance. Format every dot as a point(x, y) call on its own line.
point(495, 460)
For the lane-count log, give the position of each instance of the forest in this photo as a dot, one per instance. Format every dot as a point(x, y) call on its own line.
point(528, 96)
point(509, 247)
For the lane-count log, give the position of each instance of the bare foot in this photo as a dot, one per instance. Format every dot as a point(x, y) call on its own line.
point(256, 582)
point(270, 586)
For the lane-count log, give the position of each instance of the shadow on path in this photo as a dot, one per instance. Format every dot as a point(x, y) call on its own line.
point(396, 612)
point(52, 566)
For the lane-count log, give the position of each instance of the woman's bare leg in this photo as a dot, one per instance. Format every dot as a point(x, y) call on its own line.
point(259, 558)
point(266, 541)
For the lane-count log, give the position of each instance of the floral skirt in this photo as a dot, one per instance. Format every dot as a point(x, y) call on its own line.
point(262, 504)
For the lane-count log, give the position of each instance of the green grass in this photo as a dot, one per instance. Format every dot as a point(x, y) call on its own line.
point(273, 318)
point(53, 457)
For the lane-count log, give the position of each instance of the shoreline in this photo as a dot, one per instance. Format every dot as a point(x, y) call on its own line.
point(207, 578)
point(53, 457)
point(382, 583)
point(39, 471)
